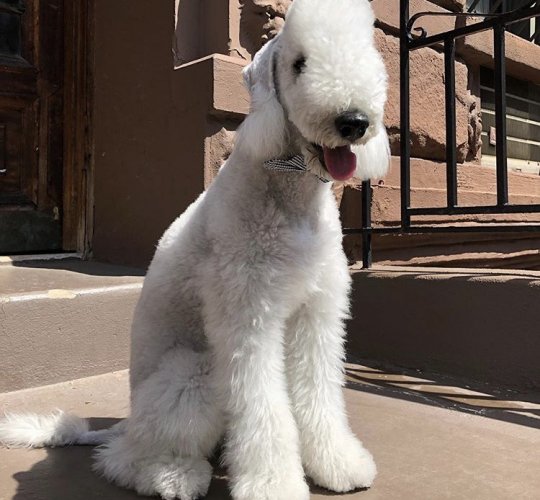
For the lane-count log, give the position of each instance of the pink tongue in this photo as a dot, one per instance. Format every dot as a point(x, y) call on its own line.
point(340, 162)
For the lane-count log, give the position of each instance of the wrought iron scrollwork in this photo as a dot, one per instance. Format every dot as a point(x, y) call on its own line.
point(529, 9)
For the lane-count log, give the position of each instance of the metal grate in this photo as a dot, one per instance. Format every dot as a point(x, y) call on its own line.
point(409, 41)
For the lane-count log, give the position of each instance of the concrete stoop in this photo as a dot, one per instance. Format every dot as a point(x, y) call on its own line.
point(434, 437)
point(427, 447)
point(63, 319)
point(481, 324)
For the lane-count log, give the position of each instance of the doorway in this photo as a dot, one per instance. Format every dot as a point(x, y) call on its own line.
point(44, 149)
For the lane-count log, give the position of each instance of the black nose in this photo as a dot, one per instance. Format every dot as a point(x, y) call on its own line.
point(351, 125)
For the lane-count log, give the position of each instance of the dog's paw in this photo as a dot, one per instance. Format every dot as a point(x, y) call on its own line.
point(267, 487)
point(341, 466)
point(183, 479)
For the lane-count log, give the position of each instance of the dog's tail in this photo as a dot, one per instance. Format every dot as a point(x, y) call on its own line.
point(28, 430)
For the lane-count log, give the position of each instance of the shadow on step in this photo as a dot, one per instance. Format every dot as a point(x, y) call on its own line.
point(86, 267)
point(446, 392)
point(66, 474)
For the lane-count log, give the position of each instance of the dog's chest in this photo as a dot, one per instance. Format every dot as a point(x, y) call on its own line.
point(301, 219)
point(299, 241)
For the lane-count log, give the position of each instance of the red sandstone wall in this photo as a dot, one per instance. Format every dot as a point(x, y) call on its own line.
point(260, 20)
point(161, 133)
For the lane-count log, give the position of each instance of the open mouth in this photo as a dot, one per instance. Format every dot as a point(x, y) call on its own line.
point(339, 162)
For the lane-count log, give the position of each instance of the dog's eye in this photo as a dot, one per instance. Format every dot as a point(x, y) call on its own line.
point(299, 65)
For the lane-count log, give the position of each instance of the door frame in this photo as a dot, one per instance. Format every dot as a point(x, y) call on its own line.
point(78, 168)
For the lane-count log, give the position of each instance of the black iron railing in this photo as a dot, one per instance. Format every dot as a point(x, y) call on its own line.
point(413, 38)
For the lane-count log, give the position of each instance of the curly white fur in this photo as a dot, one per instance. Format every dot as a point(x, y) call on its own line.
point(239, 330)
point(31, 430)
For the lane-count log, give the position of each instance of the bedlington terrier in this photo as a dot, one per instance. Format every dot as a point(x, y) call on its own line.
point(239, 331)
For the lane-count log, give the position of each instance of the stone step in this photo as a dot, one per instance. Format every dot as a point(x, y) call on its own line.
point(431, 439)
point(66, 319)
point(62, 319)
point(479, 324)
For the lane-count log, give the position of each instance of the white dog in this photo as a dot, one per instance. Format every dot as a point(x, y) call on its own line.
point(239, 330)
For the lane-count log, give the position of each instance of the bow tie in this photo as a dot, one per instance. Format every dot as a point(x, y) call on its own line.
point(293, 164)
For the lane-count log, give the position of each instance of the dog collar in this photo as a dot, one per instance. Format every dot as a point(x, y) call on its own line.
point(294, 163)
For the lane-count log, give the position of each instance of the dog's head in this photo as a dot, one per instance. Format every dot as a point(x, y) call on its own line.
point(319, 88)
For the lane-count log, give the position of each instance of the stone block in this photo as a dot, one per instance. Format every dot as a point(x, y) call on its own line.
point(472, 323)
point(260, 21)
point(217, 148)
point(522, 56)
point(428, 126)
point(387, 15)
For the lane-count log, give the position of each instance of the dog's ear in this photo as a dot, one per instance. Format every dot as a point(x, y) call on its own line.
point(264, 130)
point(373, 157)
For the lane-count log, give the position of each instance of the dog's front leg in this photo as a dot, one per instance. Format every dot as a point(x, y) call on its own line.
point(262, 446)
point(332, 456)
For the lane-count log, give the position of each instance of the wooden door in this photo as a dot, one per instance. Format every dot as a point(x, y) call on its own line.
point(31, 125)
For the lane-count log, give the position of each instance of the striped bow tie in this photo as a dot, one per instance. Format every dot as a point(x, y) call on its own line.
point(293, 164)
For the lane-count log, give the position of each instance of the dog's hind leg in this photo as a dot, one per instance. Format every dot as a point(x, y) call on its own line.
point(174, 427)
point(332, 456)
